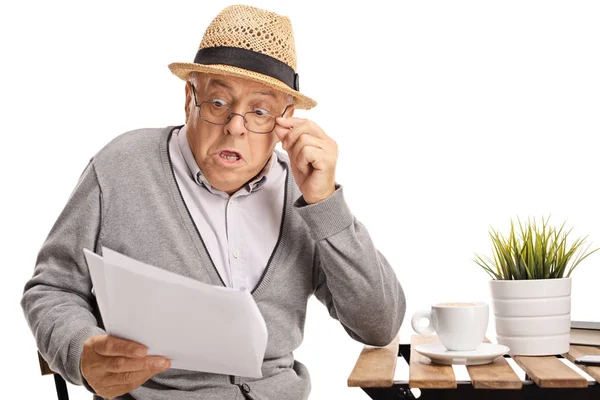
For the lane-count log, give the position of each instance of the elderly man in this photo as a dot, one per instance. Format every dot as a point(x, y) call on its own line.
point(213, 200)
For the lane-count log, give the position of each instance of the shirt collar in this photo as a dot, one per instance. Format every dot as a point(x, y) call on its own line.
point(196, 174)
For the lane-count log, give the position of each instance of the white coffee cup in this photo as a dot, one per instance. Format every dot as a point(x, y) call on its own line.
point(460, 326)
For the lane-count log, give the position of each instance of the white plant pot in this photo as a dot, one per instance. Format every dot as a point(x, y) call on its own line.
point(533, 317)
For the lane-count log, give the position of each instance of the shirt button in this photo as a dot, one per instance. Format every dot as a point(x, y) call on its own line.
point(245, 388)
point(236, 253)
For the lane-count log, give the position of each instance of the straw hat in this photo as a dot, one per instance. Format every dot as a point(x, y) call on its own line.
point(247, 42)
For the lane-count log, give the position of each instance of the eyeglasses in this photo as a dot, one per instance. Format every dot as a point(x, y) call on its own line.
point(217, 113)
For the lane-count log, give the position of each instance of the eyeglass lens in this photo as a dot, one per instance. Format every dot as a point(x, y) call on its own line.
point(219, 114)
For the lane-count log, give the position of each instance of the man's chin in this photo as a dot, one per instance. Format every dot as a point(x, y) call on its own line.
point(227, 182)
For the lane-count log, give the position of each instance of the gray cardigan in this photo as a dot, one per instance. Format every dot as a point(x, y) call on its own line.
point(127, 199)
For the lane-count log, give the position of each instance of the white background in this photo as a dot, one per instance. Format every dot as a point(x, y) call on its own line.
point(450, 117)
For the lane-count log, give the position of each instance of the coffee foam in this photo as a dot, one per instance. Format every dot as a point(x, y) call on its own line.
point(455, 305)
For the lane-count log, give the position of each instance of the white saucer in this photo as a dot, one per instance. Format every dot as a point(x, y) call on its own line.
point(485, 354)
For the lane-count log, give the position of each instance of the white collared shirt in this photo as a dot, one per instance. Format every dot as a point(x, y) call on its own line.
point(240, 231)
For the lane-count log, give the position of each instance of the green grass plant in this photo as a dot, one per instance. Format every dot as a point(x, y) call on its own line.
point(534, 251)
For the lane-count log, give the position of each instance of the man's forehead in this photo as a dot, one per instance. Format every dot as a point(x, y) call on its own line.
point(231, 83)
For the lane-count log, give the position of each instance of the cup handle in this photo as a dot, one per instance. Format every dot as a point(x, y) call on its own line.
point(422, 330)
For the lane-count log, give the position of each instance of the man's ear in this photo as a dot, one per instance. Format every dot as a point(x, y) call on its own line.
point(188, 99)
point(290, 111)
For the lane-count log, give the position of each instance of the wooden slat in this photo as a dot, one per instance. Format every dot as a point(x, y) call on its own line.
point(497, 375)
point(578, 351)
point(550, 372)
point(375, 366)
point(423, 373)
point(44, 368)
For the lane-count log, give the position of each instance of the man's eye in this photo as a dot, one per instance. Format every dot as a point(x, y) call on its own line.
point(219, 102)
point(261, 111)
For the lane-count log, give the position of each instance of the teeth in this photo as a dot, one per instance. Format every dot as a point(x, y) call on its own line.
point(230, 158)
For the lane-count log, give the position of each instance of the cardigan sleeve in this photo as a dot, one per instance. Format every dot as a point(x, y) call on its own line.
point(352, 278)
point(57, 301)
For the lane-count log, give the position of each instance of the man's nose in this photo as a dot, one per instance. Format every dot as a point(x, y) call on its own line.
point(236, 126)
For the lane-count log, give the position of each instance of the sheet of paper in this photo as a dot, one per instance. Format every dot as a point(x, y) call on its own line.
point(96, 266)
point(198, 326)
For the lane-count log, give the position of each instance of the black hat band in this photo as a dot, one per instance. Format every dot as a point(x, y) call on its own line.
point(250, 60)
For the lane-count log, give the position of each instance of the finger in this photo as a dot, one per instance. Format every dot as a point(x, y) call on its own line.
point(281, 132)
point(311, 157)
point(303, 141)
point(311, 127)
point(289, 121)
point(289, 139)
point(287, 126)
point(308, 127)
point(128, 378)
point(126, 364)
point(112, 346)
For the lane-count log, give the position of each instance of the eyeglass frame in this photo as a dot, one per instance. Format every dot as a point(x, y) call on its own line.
point(231, 114)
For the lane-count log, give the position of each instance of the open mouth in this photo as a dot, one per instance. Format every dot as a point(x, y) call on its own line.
point(230, 155)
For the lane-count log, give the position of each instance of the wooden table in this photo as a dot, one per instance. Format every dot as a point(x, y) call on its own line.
point(546, 378)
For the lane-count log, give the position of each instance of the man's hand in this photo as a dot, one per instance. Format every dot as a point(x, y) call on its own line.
point(113, 366)
point(313, 156)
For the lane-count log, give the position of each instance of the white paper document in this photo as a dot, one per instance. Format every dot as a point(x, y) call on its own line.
point(197, 326)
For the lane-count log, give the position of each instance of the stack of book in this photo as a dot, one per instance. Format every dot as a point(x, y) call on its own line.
point(585, 333)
